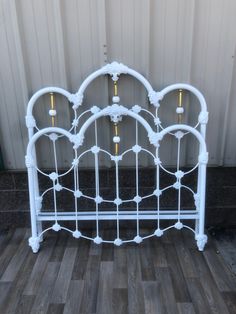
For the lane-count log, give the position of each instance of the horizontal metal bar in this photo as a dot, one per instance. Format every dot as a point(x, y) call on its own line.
point(123, 215)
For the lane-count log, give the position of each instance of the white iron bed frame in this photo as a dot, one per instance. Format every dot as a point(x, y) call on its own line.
point(76, 136)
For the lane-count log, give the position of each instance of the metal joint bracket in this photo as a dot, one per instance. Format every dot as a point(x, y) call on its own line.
point(29, 162)
point(155, 98)
point(77, 140)
point(154, 138)
point(76, 99)
point(30, 121)
point(115, 112)
point(203, 158)
point(115, 69)
point(203, 117)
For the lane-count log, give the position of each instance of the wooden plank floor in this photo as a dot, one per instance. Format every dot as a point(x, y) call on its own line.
point(166, 275)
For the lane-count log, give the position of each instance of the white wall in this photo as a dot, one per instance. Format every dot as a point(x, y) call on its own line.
point(60, 42)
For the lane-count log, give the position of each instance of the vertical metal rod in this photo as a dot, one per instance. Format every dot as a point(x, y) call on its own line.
point(117, 206)
point(76, 209)
point(115, 88)
point(96, 132)
point(158, 189)
point(76, 179)
point(35, 175)
point(55, 158)
point(52, 104)
point(32, 203)
point(202, 199)
point(97, 191)
point(180, 104)
point(116, 134)
point(137, 179)
point(156, 114)
point(35, 183)
point(55, 201)
point(179, 180)
point(198, 193)
point(116, 124)
point(76, 187)
point(157, 177)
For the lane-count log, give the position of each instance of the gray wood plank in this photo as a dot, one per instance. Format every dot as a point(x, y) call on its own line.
point(119, 301)
point(224, 279)
point(8, 252)
point(146, 262)
point(55, 308)
point(15, 294)
point(184, 257)
point(153, 298)
point(5, 287)
point(104, 297)
point(44, 292)
point(188, 240)
point(107, 252)
point(59, 248)
point(81, 260)
point(168, 295)
point(166, 238)
point(230, 300)
point(185, 308)
point(159, 255)
point(179, 284)
point(199, 300)
point(226, 246)
point(213, 295)
point(135, 292)
point(74, 297)
point(64, 276)
point(95, 249)
point(25, 304)
point(17, 260)
point(120, 277)
point(107, 248)
point(39, 267)
point(91, 281)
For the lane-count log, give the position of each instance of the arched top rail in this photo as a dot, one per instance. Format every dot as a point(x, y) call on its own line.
point(43, 91)
point(114, 111)
point(185, 127)
point(37, 135)
point(115, 69)
point(154, 137)
point(188, 87)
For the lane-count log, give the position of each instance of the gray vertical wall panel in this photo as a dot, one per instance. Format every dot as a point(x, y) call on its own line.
point(212, 64)
point(230, 142)
point(13, 89)
point(60, 42)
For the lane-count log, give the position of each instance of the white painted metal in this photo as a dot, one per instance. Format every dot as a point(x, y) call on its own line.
point(77, 134)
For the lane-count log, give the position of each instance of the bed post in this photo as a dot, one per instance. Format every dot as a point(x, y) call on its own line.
point(34, 239)
point(200, 236)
